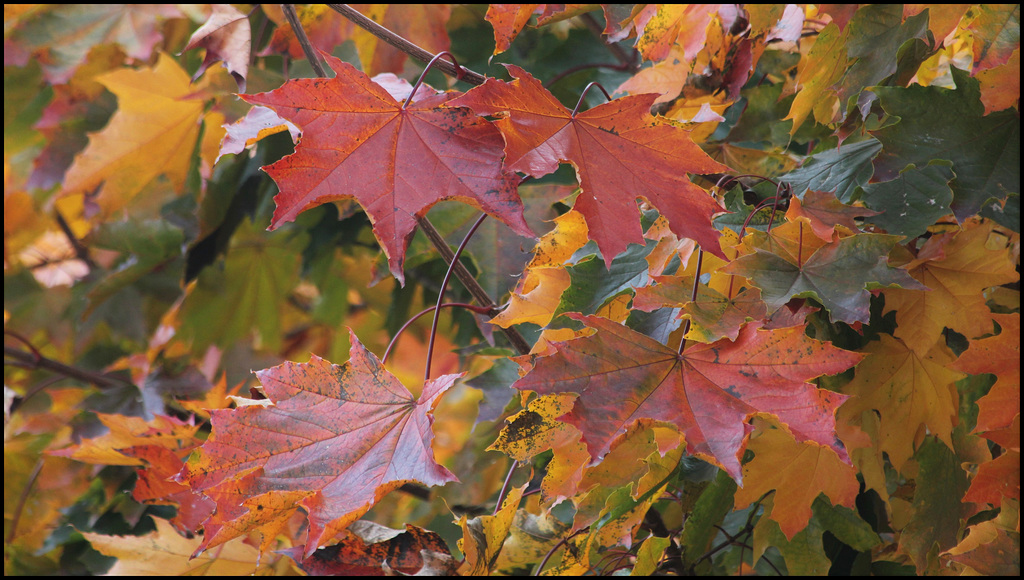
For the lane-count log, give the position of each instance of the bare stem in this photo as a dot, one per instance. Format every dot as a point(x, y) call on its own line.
point(440, 293)
point(505, 486)
point(300, 35)
point(693, 298)
point(22, 499)
point(394, 339)
point(467, 279)
point(405, 46)
point(427, 68)
point(584, 94)
point(31, 361)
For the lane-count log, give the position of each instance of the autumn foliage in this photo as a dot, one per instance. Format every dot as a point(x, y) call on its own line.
point(679, 289)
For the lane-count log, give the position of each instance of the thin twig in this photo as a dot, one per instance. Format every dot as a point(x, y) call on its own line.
point(405, 46)
point(467, 279)
point(300, 35)
point(22, 499)
point(505, 486)
point(554, 548)
point(693, 298)
point(440, 293)
point(394, 339)
point(81, 252)
point(29, 361)
point(579, 67)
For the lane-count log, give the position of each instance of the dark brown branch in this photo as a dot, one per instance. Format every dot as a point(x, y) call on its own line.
point(80, 251)
point(420, 54)
point(300, 35)
point(30, 361)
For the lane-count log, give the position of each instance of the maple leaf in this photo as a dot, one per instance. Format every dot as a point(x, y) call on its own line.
point(708, 392)
point(153, 133)
point(226, 36)
point(1000, 85)
point(674, 24)
point(164, 551)
point(483, 537)
point(359, 142)
point(938, 123)
point(333, 440)
point(368, 547)
point(244, 291)
point(909, 392)
point(817, 75)
point(508, 20)
point(999, 355)
point(620, 153)
point(956, 268)
point(60, 36)
point(785, 266)
point(916, 199)
point(798, 472)
point(825, 212)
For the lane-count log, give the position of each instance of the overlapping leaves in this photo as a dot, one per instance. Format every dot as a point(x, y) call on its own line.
point(396, 160)
point(708, 392)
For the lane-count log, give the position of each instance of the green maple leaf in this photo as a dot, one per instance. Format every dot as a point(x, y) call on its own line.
point(786, 265)
point(938, 123)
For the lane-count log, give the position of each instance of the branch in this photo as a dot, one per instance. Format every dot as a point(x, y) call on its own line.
point(467, 279)
point(419, 53)
point(31, 361)
point(300, 35)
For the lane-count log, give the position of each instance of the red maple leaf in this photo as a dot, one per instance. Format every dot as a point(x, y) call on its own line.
point(359, 142)
point(620, 153)
point(709, 392)
point(334, 440)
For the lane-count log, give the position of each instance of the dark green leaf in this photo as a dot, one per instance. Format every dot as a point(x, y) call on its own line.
point(911, 202)
point(938, 123)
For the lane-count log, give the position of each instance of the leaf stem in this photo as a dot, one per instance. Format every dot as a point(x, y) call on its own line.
point(467, 279)
point(22, 499)
point(427, 68)
point(693, 298)
point(554, 548)
point(440, 293)
point(404, 45)
point(505, 486)
point(80, 251)
point(394, 339)
point(300, 35)
point(584, 94)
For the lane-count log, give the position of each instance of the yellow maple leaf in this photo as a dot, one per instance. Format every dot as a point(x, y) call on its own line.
point(539, 292)
point(911, 392)
point(956, 268)
point(797, 471)
point(165, 552)
point(153, 133)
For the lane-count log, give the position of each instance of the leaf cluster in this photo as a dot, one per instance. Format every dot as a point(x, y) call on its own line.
point(666, 289)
